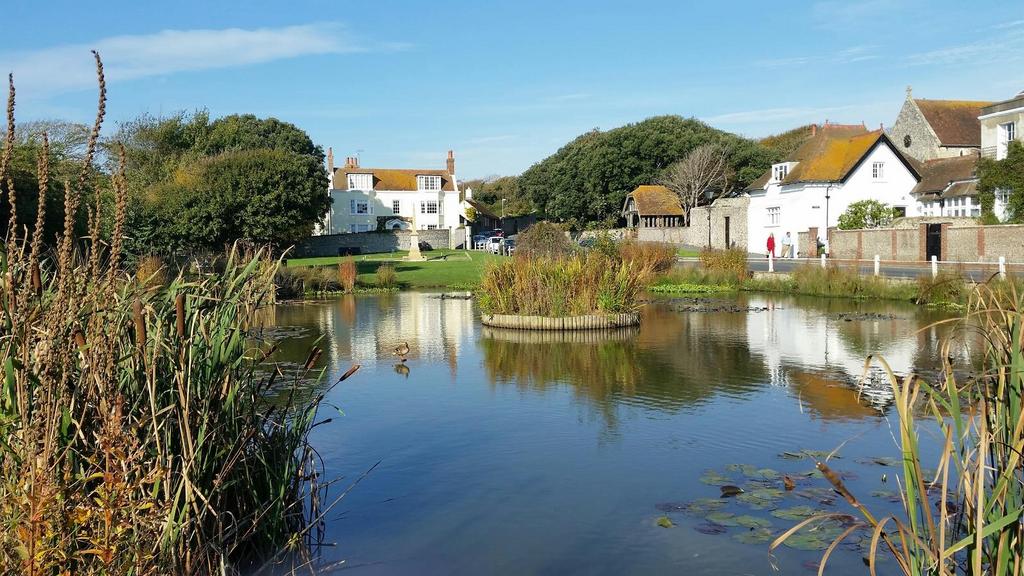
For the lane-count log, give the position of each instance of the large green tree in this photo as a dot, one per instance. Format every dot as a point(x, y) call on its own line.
point(1003, 175)
point(866, 214)
point(198, 184)
point(588, 179)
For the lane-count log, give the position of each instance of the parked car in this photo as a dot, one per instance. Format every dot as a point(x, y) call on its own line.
point(494, 244)
point(498, 232)
point(480, 241)
point(510, 245)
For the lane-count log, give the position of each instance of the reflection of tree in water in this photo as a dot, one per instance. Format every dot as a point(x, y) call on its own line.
point(671, 362)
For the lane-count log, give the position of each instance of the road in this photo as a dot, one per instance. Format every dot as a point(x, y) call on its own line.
point(978, 272)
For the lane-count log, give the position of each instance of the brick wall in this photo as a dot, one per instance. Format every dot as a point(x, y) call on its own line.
point(371, 242)
point(959, 243)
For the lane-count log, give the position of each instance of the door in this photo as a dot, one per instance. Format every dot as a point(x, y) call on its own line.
point(933, 241)
point(728, 241)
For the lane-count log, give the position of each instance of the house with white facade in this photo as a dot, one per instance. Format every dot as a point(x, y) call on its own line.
point(836, 166)
point(1001, 124)
point(369, 199)
point(949, 188)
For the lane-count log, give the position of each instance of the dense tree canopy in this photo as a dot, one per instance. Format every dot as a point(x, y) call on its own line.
point(491, 192)
point(866, 214)
point(198, 184)
point(1005, 175)
point(587, 179)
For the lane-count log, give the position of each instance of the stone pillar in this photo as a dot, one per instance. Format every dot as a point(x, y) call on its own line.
point(893, 241)
point(981, 243)
point(812, 240)
point(945, 240)
point(922, 242)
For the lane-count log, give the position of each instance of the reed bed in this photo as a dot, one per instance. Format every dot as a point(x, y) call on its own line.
point(136, 435)
point(967, 518)
point(574, 285)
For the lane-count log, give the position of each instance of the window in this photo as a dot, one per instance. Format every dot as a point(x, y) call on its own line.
point(396, 206)
point(428, 182)
point(774, 215)
point(878, 170)
point(1002, 196)
point(1006, 133)
point(360, 181)
point(360, 207)
point(779, 172)
point(431, 227)
point(359, 228)
point(899, 211)
point(428, 207)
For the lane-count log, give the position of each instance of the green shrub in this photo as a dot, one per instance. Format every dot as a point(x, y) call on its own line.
point(945, 288)
point(543, 240)
point(387, 278)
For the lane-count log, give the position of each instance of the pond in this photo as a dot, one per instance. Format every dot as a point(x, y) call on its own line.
point(504, 452)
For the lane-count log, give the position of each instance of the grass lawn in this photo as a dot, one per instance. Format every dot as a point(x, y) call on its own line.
point(686, 253)
point(442, 267)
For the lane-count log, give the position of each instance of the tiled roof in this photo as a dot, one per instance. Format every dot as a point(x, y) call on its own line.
point(948, 177)
point(829, 157)
point(656, 201)
point(393, 179)
point(814, 145)
point(955, 122)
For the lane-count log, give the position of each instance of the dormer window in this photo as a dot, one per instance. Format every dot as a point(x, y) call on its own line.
point(779, 172)
point(360, 181)
point(428, 183)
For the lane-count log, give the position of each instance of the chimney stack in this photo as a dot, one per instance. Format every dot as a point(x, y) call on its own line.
point(451, 162)
point(814, 130)
point(330, 166)
point(352, 162)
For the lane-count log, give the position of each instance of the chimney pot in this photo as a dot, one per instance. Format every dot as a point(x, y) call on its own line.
point(451, 162)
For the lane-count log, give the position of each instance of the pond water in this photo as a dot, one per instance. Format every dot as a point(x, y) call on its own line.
point(538, 453)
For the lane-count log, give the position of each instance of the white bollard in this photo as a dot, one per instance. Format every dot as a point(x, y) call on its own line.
point(771, 262)
point(878, 265)
point(822, 260)
point(935, 266)
point(1002, 267)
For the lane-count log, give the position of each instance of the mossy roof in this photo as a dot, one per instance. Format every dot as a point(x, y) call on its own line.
point(814, 145)
point(394, 179)
point(830, 156)
point(943, 177)
point(955, 122)
point(655, 200)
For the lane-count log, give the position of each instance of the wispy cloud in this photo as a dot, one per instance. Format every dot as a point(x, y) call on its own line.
point(1010, 24)
point(1007, 46)
point(491, 139)
point(69, 67)
point(844, 56)
point(770, 115)
point(569, 97)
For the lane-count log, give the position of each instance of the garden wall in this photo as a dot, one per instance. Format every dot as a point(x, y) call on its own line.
point(960, 243)
point(372, 242)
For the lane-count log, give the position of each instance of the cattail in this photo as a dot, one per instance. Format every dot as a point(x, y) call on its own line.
point(79, 339)
point(179, 309)
point(837, 483)
point(314, 355)
point(140, 324)
point(37, 280)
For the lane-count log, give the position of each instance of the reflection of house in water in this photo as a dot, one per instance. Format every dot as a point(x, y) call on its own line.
point(435, 328)
point(808, 345)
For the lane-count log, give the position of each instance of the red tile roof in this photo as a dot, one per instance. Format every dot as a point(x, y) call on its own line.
point(955, 122)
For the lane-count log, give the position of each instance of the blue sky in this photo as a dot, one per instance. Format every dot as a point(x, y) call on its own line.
point(505, 84)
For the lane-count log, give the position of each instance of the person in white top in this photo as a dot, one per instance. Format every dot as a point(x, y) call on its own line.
point(787, 246)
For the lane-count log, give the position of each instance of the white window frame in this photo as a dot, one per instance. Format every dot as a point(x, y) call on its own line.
point(878, 170)
point(774, 216)
point(355, 204)
point(360, 181)
point(428, 207)
point(1006, 133)
point(428, 183)
point(431, 226)
point(779, 172)
point(396, 206)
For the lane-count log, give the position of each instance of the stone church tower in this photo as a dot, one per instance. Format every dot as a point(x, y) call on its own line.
point(930, 129)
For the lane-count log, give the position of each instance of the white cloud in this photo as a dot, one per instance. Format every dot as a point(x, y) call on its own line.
point(70, 67)
point(771, 115)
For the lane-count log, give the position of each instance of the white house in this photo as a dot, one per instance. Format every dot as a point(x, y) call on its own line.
point(368, 199)
point(836, 166)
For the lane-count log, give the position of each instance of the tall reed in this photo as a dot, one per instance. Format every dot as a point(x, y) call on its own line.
point(136, 435)
point(347, 274)
point(967, 518)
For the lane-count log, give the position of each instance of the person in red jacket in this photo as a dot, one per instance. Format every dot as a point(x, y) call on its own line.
point(771, 245)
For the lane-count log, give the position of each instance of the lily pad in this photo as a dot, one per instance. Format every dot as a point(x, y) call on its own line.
point(723, 518)
point(704, 506)
point(810, 454)
point(887, 495)
point(710, 528)
point(765, 474)
point(761, 498)
point(806, 541)
point(823, 496)
point(665, 522)
point(715, 478)
point(748, 521)
point(795, 513)
point(754, 536)
point(880, 461)
point(672, 506)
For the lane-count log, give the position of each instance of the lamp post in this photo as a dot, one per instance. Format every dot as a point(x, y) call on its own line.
point(827, 196)
point(709, 194)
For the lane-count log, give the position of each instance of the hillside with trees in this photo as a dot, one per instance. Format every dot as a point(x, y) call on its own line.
point(586, 181)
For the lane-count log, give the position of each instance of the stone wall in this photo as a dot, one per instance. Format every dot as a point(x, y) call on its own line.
point(731, 210)
point(961, 243)
point(373, 242)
